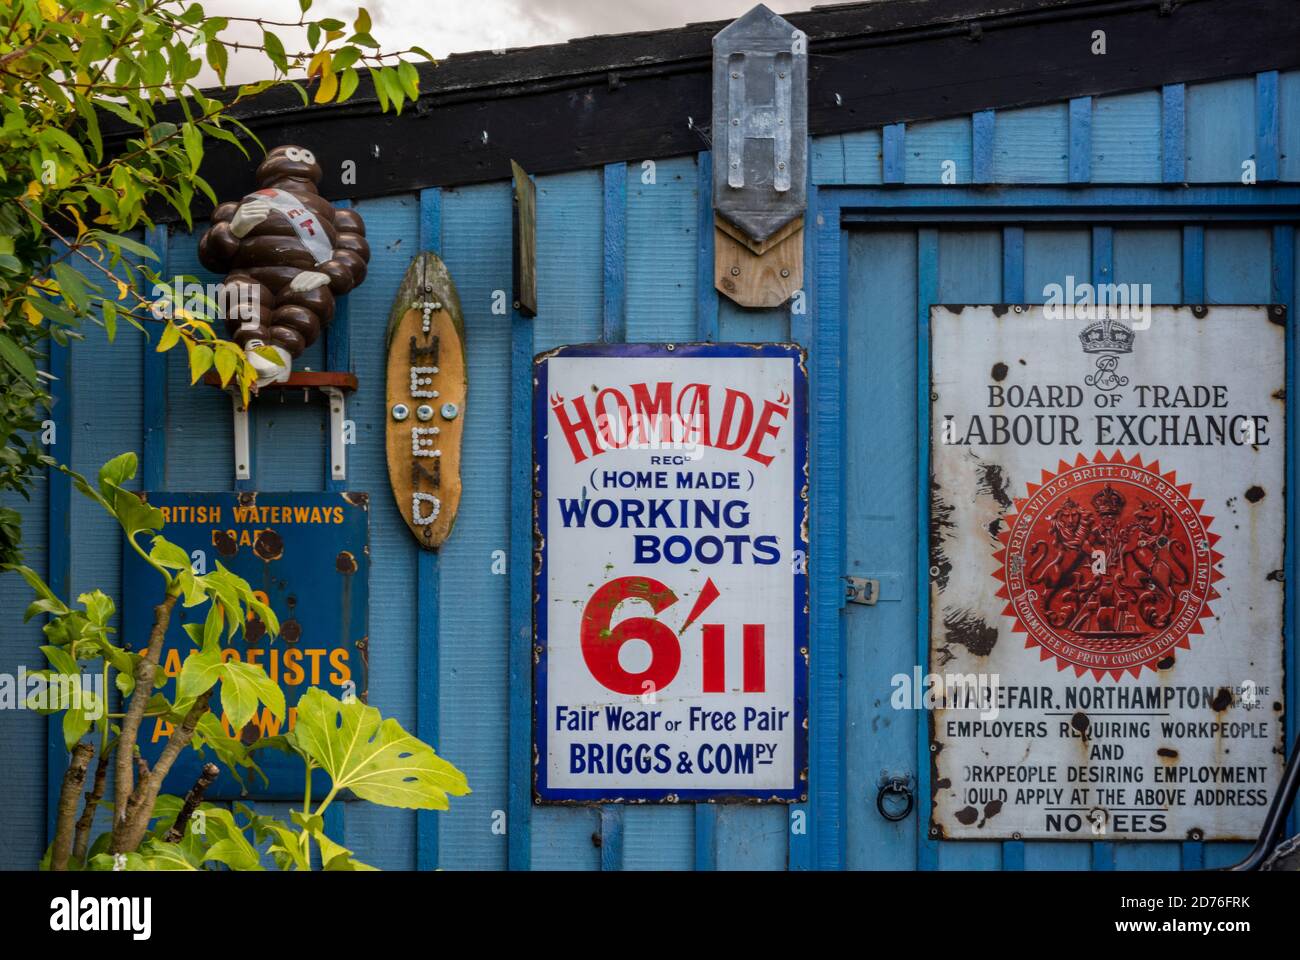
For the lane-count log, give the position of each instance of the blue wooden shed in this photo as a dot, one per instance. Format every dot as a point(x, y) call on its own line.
point(961, 151)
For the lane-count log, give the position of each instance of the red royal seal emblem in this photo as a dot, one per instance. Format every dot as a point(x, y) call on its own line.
point(1108, 565)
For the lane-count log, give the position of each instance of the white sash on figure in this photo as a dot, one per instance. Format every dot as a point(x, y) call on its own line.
point(303, 221)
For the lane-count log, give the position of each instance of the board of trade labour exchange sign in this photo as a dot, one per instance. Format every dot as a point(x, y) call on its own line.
point(671, 588)
point(1106, 557)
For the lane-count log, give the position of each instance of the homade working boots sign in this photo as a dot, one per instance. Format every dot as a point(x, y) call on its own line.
point(1106, 557)
point(671, 588)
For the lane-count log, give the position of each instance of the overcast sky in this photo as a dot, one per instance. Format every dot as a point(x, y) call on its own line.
point(457, 26)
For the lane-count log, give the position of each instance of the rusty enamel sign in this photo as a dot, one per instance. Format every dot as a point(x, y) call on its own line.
point(1106, 550)
point(671, 617)
point(307, 555)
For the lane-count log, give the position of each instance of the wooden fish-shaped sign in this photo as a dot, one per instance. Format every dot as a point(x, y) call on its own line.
point(427, 388)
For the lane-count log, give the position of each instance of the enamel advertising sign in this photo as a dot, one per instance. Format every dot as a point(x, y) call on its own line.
point(1106, 588)
point(307, 556)
point(671, 587)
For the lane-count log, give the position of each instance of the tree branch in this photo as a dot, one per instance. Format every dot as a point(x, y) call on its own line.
point(73, 778)
point(128, 832)
point(192, 800)
point(144, 673)
point(96, 793)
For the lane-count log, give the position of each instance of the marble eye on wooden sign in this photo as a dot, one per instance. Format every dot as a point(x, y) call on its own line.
point(427, 389)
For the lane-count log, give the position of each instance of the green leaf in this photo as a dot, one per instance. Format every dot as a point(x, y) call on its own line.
point(275, 51)
point(226, 363)
point(243, 686)
point(157, 854)
point(374, 758)
point(335, 856)
point(193, 139)
point(348, 83)
point(410, 78)
point(199, 672)
point(73, 286)
point(169, 555)
point(17, 358)
point(200, 361)
point(110, 319)
point(116, 472)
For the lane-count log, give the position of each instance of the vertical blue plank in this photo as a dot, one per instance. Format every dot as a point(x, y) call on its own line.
point(338, 358)
point(519, 818)
point(826, 706)
point(982, 131)
point(571, 309)
point(429, 580)
point(1126, 138)
point(1173, 133)
point(1267, 126)
point(881, 540)
point(662, 250)
point(927, 293)
point(1013, 264)
point(706, 306)
point(1289, 122)
point(800, 855)
point(1032, 145)
point(59, 538)
point(614, 330)
point(383, 836)
point(611, 837)
point(930, 146)
point(895, 160)
point(1193, 264)
point(615, 251)
point(153, 456)
point(1285, 275)
point(1220, 130)
point(1081, 139)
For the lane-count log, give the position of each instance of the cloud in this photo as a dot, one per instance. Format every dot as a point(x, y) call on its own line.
point(458, 26)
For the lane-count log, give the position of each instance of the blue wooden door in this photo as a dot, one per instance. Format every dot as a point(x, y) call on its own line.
point(895, 263)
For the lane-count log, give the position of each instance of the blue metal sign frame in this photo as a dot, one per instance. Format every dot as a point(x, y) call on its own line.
point(795, 354)
point(310, 557)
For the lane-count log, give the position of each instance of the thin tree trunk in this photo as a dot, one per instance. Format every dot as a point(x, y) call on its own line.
point(82, 841)
point(124, 786)
point(130, 831)
point(73, 779)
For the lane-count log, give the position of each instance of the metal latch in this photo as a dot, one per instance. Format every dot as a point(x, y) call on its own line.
point(862, 590)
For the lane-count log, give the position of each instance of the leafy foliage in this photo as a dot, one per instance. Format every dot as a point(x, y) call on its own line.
point(373, 758)
point(72, 190)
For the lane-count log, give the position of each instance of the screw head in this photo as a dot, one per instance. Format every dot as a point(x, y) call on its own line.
point(401, 411)
point(735, 271)
point(450, 411)
point(424, 412)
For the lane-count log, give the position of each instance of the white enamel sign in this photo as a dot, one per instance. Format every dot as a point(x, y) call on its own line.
point(671, 588)
point(1106, 585)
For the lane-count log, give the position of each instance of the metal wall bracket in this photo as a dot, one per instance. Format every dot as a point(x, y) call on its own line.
point(862, 590)
point(332, 386)
point(243, 466)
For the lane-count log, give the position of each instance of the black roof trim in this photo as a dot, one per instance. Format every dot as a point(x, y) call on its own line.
point(634, 96)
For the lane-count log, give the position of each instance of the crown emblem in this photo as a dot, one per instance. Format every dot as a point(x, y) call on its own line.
point(1106, 336)
point(1107, 502)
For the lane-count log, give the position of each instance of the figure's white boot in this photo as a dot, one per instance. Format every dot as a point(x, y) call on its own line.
point(268, 372)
